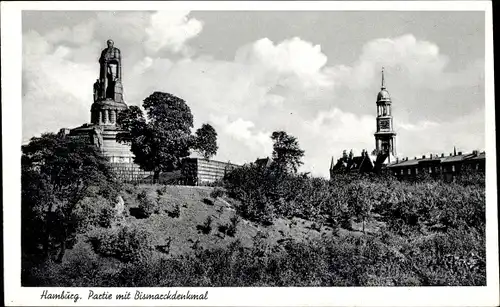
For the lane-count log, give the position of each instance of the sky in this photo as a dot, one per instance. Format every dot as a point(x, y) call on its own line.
point(313, 74)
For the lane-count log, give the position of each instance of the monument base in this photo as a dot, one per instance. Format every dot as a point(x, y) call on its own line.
point(120, 157)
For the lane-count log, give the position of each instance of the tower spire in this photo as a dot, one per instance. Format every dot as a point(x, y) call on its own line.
point(383, 80)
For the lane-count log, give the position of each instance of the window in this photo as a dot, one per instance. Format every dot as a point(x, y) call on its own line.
point(430, 170)
point(477, 166)
point(416, 171)
point(453, 168)
point(401, 172)
point(409, 171)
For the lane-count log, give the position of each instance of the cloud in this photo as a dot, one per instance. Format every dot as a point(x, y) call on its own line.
point(78, 35)
point(467, 133)
point(243, 130)
point(290, 60)
point(171, 30)
point(422, 125)
point(411, 61)
point(331, 132)
point(239, 140)
point(52, 85)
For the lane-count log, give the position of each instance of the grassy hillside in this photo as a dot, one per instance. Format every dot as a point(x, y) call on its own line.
point(196, 205)
point(415, 234)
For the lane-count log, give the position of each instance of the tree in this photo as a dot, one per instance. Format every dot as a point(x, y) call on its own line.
point(160, 143)
point(287, 154)
point(206, 141)
point(57, 173)
point(361, 200)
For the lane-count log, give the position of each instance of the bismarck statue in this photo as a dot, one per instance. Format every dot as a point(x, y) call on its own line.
point(103, 128)
point(110, 74)
point(108, 89)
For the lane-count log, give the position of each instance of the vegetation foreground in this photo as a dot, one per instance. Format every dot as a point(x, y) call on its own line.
point(258, 229)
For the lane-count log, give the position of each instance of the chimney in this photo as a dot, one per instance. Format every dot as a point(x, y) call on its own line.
point(431, 156)
point(414, 158)
point(423, 157)
point(442, 155)
point(459, 153)
point(450, 154)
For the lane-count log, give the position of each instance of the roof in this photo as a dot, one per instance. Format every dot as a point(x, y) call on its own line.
point(439, 159)
point(354, 164)
point(192, 159)
point(401, 163)
point(456, 158)
point(480, 156)
point(383, 95)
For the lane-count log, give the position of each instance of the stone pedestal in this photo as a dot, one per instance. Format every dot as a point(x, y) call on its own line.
point(105, 112)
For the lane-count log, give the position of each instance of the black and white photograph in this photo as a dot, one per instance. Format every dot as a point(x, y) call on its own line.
point(187, 154)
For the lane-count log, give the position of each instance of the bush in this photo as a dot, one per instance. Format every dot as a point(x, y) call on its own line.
point(206, 227)
point(175, 212)
point(128, 244)
point(208, 201)
point(216, 193)
point(223, 229)
point(231, 229)
point(94, 211)
point(148, 203)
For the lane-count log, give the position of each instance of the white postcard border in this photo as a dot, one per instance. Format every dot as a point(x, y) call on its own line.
point(381, 296)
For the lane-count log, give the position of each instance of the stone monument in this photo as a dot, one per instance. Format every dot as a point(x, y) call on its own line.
point(107, 105)
point(108, 89)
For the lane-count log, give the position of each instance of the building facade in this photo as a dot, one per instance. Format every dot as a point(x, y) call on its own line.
point(352, 164)
point(446, 167)
point(200, 171)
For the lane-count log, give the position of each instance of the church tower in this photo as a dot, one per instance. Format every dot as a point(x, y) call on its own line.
point(385, 137)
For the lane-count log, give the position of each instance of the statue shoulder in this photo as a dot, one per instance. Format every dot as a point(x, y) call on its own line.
point(103, 54)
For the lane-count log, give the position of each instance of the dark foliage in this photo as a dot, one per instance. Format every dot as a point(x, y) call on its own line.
point(287, 155)
point(206, 141)
point(206, 227)
point(452, 259)
point(58, 173)
point(164, 139)
point(405, 206)
point(127, 244)
point(148, 203)
point(216, 193)
point(175, 212)
point(208, 201)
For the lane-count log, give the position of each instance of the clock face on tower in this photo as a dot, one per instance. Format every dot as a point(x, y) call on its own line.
point(384, 124)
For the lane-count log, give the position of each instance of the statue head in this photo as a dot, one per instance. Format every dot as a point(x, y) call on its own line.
point(110, 43)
